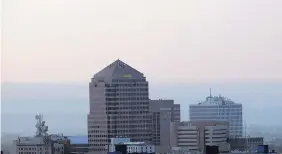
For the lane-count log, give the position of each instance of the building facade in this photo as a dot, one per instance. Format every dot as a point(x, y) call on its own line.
point(163, 113)
point(219, 108)
point(40, 145)
point(186, 136)
point(78, 144)
point(195, 135)
point(132, 147)
point(176, 113)
point(119, 106)
point(140, 148)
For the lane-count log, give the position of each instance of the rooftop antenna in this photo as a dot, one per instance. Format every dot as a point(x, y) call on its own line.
point(210, 97)
point(41, 128)
point(210, 93)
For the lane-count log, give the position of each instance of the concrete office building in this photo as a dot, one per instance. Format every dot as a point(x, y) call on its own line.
point(119, 106)
point(163, 113)
point(194, 136)
point(219, 108)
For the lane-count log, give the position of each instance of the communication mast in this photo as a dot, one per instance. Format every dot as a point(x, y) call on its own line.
point(41, 128)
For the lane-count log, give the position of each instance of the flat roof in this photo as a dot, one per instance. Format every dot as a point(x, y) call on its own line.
point(78, 139)
point(134, 143)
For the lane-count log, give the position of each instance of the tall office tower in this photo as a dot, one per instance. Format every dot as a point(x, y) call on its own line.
point(119, 106)
point(219, 108)
point(164, 112)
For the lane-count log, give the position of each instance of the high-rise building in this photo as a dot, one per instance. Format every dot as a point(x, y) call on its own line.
point(219, 108)
point(119, 106)
point(163, 113)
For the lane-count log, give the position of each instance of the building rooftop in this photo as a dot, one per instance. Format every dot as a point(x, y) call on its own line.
point(134, 143)
point(38, 139)
point(78, 139)
point(29, 140)
point(216, 100)
point(118, 69)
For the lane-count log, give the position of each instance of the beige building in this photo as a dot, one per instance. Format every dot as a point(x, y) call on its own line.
point(194, 136)
point(163, 113)
point(119, 107)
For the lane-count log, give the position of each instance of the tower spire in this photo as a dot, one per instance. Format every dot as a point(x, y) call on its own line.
point(210, 93)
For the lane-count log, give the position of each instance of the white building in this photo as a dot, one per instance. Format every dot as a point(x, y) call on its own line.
point(219, 109)
point(132, 147)
point(194, 136)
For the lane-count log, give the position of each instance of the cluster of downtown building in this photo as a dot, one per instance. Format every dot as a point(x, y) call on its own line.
point(120, 107)
point(121, 112)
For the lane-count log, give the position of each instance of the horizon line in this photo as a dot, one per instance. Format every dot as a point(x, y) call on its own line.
point(150, 81)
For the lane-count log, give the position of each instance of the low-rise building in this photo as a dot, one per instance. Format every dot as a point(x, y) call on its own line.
point(195, 135)
point(78, 144)
point(40, 145)
point(131, 147)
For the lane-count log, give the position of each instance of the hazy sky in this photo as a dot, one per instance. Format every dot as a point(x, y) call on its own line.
point(188, 40)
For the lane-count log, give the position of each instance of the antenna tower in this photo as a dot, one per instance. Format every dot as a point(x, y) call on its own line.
point(41, 128)
point(210, 93)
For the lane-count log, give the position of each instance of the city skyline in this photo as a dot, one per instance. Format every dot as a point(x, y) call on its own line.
point(155, 77)
point(252, 95)
point(109, 77)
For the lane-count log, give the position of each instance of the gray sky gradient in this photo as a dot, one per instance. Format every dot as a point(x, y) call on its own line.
point(69, 103)
point(70, 40)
